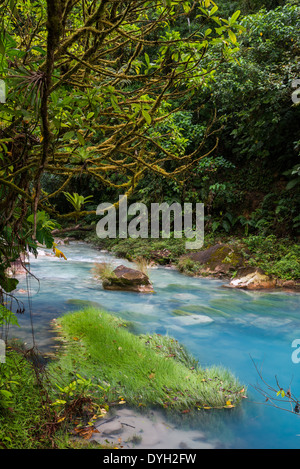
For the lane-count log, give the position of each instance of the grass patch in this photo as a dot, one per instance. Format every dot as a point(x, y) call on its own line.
point(140, 370)
point(30, 417)
point(25, 415)
point(103, 271)
point(187, 266)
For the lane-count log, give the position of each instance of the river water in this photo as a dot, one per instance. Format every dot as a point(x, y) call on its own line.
point(240, 330)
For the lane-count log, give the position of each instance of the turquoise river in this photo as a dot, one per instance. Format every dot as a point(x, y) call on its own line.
point(240, 329)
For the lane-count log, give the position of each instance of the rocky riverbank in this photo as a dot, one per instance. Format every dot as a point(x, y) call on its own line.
point(259, 265)
point(228, 262)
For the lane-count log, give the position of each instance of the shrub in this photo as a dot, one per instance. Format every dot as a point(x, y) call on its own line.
point(188, 266)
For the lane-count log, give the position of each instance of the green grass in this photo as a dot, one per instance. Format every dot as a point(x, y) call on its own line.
point(187, 266)
point(144, 370)
point(24, 413)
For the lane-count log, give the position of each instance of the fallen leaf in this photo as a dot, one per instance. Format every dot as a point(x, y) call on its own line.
point(86, 432)
point(228, 405)
point(58, 253)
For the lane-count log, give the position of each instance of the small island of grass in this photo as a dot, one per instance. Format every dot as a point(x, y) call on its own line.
point(145, 370)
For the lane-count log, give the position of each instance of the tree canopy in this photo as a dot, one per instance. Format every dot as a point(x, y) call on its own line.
point(159, 97)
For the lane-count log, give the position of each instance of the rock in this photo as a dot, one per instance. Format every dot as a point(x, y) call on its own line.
point(112, 428)
point(162, 256)
point(252, 278)
point(218, 260)
point(18, 267)
point(60, 241)
point(127, 279)
point(293, 285)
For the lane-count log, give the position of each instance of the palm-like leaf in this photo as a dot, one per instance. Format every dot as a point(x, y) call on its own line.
point(77, 200)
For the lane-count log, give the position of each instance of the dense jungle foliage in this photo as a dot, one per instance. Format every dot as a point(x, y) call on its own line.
point(161, 100)
point(173, 101)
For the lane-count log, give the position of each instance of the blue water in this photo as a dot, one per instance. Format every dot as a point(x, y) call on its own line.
point(245, 328)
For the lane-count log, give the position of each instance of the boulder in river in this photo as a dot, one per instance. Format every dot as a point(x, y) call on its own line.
point(127, 279)
point(218, 260)
point(252, 278)
point(18, 267)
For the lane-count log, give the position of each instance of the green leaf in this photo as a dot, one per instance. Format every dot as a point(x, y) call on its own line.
point(7, 316)
point(292, 184)
point(215, 225)
point(80, 138)
point(226, 225)
point(8, 284)
point(213, 10)
point(232, 36)
point(146, 116)
point(68, 135)
point(234, 17)
point(12, 4)
point(147, 59)
point(6, 393)
point(2, 47)
point(39, 49)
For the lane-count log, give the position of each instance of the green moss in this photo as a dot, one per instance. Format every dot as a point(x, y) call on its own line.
point(226, 255)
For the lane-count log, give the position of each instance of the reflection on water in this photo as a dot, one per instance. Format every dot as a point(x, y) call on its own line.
point(218, 325)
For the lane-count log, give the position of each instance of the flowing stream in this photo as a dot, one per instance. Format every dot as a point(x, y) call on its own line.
point(228, 327)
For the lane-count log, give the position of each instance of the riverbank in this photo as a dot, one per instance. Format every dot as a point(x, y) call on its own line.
point(253, 262)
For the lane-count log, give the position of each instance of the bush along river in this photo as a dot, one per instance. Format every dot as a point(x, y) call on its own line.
point(247, 332)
